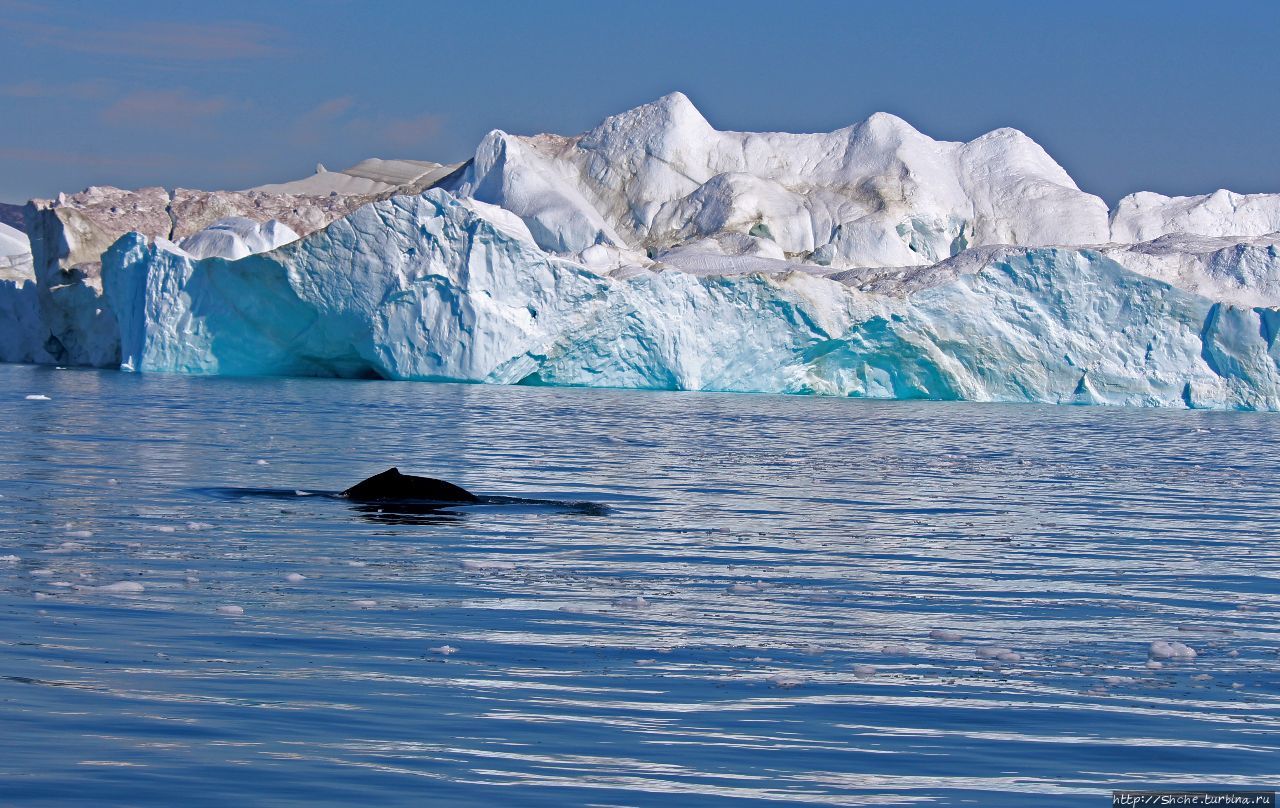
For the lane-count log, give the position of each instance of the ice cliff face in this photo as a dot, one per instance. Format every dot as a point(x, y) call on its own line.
point(70, 233)
point(425, 288)
point(655, 251)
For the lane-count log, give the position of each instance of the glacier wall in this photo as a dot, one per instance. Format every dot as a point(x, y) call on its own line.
point(423, 287)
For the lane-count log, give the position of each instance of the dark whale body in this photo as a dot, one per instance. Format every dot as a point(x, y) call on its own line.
point(392, 486)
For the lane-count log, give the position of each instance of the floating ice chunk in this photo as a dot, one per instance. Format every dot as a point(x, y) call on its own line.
point(42, 595)
point(1114, 681)
point(1201, 677)
point(1237, 685)
point(61, 583)
point(1246, 607)
point(80, 534)
point(863, 671)
point(1170, 650)
point(1009, 657)
point(9, 559)
point(122, 586)
point(573, 609)
point(260, 462)
point(38, 397)
point(42, 573)
point(487, 566)
point(192, 579)
point(354, 563)
point(638, 602)
point(1233, 653)
point(229, 609)
point(785, 680)
point(748, 588)
point(1153, 665)
point(364, 603)
point(164, 528)
point(198, 526)
point(113, 481)
point(991, 652)
point(445, 650)
point(945, 634)
point(298, 492)
point(895, 650)
point(295, 577)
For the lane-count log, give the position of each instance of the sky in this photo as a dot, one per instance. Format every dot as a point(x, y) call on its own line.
point(1175, 97)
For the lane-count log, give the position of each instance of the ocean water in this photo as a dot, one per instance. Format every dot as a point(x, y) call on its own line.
point(773, 600)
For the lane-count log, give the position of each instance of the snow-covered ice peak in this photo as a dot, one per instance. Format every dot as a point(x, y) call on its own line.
point(878, 193)
point(1145, 216)
point(236, 237)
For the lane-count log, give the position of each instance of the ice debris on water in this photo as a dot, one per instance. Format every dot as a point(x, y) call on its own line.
point(748, 588)
point(364, 603)
point(9, 559)
point(895, 650)
point(637, 602)
point(863, 671)
point(295, 577)
point(121, 586)
point(785, 680)
point(38, 397)
point(945, 634)
point(1161, 649)
point(231, 609)
point(444, 650)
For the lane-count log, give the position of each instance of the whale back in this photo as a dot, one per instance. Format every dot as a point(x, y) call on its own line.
point(392, 486)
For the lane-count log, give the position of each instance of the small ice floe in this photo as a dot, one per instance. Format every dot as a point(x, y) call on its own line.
point(364, 603)
point(298, 492)
point(354, 563)
point(1237, 685)
point(573, 609)
point(813, 649)
point(9, 559)
point(1201, 677)
point(487, 566)
point(945, 634)
point(80, 534)
point(198, 526)
point(1115, 681)
point(1170, 650)
point(638, 602)
point(895, 650)
point(991, 652)
point(1246, 607)
point(1233, 653)
point(1009, 657)
point(785, 680)
point(864, 671)
point(444, 650)
point(113, 481)
point(42, 596)
point(38, 397)
point(1153, 665)
point(295, 577)
point(230, 609)
point(192, 579)
point(164, 528)
point(125, 587)
point(260, 462)
point(42, 573)
point(747, 588)
point(63, 584)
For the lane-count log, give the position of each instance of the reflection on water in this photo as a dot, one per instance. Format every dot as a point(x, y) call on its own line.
point(782, 599)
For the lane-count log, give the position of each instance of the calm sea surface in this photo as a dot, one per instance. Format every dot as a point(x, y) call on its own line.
point(787, 600)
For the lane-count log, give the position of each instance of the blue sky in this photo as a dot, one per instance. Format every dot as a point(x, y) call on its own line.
point(1167, 96)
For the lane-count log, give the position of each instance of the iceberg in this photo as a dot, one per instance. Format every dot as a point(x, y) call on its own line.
point(424, 287)
point(657, 252)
